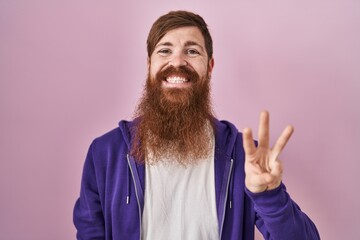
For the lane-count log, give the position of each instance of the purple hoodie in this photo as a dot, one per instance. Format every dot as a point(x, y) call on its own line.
point(112, 193)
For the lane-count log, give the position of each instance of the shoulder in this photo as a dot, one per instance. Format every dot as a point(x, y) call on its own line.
point(108, 139)
point(225, 127)
point(115, 140)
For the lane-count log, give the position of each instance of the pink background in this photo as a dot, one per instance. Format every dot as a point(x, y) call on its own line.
point(70, 70)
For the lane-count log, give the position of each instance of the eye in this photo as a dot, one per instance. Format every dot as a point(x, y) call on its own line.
point(192, 52)
point(164, 51)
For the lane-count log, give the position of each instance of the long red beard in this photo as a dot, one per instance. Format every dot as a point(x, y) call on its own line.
point(175, 123)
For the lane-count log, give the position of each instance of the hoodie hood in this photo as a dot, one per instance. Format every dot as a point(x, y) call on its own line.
point(127, 129)
point(225, 137)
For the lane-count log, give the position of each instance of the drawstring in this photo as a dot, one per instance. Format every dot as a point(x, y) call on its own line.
point(231, 186)
point(128, 183)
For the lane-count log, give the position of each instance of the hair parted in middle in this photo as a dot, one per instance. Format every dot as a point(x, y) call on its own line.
point(177, 19)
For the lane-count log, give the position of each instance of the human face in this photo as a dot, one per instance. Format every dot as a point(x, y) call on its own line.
point(184, 46)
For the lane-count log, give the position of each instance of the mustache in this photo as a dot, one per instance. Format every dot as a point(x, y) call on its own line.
point(182, 71)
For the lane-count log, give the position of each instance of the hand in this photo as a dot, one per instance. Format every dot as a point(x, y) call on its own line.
point(263, 169)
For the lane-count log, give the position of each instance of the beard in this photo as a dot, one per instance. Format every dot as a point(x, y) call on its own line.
point(174, 123)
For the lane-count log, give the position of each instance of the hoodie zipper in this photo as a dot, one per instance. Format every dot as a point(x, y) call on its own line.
point(226, 194)
point(136, 189)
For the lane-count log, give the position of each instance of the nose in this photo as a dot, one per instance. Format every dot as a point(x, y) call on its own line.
point(178, 60)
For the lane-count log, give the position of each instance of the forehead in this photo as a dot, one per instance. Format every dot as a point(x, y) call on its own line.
point(182, 35)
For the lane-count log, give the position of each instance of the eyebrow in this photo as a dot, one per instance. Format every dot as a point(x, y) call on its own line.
point(187, 44)
point(192, 43)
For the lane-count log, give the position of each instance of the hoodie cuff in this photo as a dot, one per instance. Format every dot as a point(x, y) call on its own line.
point(269, 202)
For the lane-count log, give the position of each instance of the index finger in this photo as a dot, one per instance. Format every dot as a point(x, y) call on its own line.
point(248, 142)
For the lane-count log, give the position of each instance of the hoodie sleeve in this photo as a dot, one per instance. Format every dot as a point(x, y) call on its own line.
point(278, 217)
point(88, 215)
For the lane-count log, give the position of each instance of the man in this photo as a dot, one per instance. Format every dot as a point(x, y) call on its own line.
point(175, 171)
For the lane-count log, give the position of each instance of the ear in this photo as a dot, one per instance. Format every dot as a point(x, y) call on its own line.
point(211, 66)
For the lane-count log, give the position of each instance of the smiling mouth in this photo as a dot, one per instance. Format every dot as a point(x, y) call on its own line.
point(176, 79)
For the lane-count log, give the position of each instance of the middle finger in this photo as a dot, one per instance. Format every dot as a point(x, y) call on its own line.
point(264, 131)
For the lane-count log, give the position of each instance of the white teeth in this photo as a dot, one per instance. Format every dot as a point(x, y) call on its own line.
point(176, 80)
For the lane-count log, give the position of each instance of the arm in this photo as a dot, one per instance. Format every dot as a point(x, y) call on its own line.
point(88, 215)
point(277, 215)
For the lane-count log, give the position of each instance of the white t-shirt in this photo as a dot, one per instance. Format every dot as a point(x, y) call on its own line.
point(180, 201)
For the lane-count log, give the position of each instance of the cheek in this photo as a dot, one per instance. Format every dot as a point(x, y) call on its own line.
point(154, 68)
point(201, 68)
point(202, 71)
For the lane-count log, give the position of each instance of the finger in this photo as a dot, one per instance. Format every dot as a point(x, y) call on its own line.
point(277, 169)
point(264, 132)
point(282, 141)
point(248, 142)
point(276, 172)
point(260, 180)
point(253, 168)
